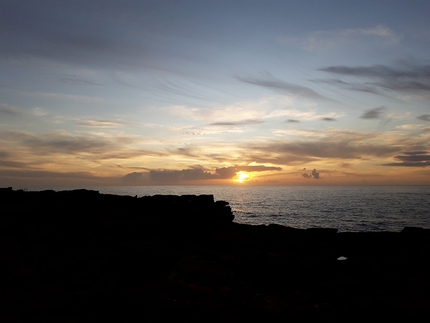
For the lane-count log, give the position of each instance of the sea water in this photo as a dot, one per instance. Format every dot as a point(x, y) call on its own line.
point(347, 208)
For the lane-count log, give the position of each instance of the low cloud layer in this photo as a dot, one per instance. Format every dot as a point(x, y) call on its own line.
point(135, 178)
point(195, 174)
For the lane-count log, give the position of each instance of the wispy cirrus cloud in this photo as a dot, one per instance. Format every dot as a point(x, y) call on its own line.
point(311, 146)
point(76, 40)
point(100, 123)
point(237, 123)
point(328, 119)
point(83, 146)
point(75, 80)
point(7, 159)
point(268, 81)
point(64, 97)
point(7, 109)
point(375, 113)
point(404, 70)
point(406, 76)
point(295, 115)
point(39, 112)
point(352, 86)
point(342, 149)
point(237, 112)
point(222, 127)
point(245, 114)
point(324, 40)
point(219, 127)
point(424, 117)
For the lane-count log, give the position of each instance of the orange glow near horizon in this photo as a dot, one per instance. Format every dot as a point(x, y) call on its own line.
point(242, 177)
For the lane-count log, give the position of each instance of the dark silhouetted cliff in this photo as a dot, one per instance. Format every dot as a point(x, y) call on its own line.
point(81, 256)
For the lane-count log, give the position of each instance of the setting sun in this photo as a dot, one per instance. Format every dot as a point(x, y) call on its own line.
point(242, 177)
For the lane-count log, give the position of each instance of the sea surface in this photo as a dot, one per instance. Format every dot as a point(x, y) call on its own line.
point(347, 208)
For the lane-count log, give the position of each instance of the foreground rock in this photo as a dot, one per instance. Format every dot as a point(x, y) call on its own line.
point(81, 256)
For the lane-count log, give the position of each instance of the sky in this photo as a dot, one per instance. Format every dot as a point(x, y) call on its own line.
point(214, 92)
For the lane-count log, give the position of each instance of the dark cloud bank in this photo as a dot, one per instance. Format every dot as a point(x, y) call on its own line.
point(412, 159)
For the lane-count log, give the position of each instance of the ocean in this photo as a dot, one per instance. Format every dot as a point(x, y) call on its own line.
point(347, 208)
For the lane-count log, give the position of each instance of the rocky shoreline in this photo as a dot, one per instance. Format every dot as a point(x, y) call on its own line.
point(82, 256)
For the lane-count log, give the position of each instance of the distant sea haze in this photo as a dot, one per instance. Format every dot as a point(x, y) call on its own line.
point(346, 208)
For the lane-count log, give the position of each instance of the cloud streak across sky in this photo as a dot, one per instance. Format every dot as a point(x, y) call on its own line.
point(270, 82)
point(405, 77)
point(190, 92)
point(324, 40)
